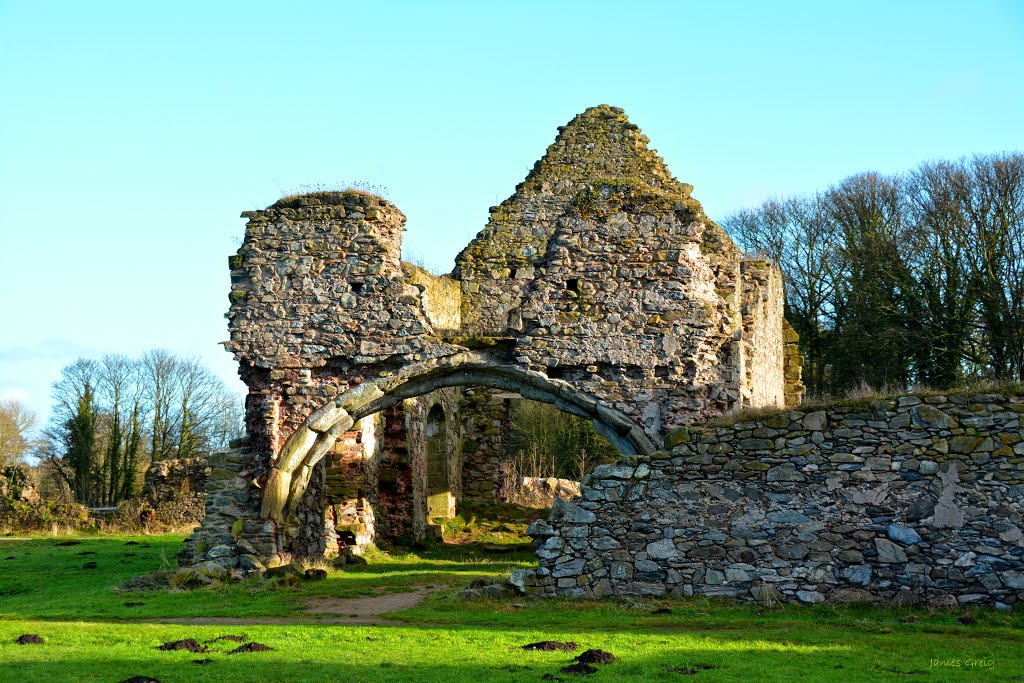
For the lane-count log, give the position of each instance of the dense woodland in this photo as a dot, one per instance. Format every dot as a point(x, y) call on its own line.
point(112, 417)
point(896, 281)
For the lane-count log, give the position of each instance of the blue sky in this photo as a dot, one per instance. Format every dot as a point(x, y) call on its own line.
point(132, 134)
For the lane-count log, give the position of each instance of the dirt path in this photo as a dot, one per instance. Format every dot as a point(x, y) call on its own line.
point(366, 611)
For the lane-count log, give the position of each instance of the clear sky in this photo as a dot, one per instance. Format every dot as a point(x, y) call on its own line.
point(133, 133)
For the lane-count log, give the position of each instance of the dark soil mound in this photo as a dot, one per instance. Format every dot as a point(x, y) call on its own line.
point(595, 657)
point(552, 646)
point(315, 574)
point(188, 645)
point(10, 557)
point(141, 679)
point(87, 552)
point(251, 647)
point(233, 639)
point(202, 662)
point(29, 639)
point(63, 544)
point(579, 668)
point(132, 543)
point(89, 565)
point(967, 620)
point(134, 604)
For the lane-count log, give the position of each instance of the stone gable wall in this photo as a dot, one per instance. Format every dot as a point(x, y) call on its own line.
point(910, 500)
point(598, 144)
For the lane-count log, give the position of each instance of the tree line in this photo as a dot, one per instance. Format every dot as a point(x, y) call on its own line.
point(900, 280)
point(17, 424)
point(546, 442)
point(115, 415)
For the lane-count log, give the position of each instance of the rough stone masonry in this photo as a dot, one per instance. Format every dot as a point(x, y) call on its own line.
point(912, 500)
point(599, 286)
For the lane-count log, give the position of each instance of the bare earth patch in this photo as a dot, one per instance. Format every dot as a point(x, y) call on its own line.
point(367, 607)
point(366, 611)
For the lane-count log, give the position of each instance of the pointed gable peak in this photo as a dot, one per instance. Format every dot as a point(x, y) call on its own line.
point(601, 144)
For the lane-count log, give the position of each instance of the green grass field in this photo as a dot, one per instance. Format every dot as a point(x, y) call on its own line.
point(91, 634)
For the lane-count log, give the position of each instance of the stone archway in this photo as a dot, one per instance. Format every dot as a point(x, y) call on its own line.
point(290, 474)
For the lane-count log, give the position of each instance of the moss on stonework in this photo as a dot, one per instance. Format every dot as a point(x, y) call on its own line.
point(676, 436)
point(715, 241)
point(630, 195)
point(599, 164)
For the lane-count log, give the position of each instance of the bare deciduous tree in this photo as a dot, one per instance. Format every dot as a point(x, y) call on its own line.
point(905, 279)
point(108, 412)
point(17, 425)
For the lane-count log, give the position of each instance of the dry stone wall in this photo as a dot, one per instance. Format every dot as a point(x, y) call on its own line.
point(915, 500)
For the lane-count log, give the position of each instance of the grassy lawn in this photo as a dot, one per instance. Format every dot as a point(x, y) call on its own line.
point(92, 635)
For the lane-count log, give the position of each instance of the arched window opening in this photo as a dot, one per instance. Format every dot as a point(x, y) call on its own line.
point(440, 501)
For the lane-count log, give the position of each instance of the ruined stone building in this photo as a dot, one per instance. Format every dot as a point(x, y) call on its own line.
point(378, 393)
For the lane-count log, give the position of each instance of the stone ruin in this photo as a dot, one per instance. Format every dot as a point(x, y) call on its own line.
point(175, 490)
point(17, 484)
point(379, 393)
point(379, 399)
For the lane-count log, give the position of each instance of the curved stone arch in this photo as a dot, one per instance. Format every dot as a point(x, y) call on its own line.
point(290, 474)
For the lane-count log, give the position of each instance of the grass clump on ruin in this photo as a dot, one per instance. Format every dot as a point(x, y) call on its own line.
point(329, 194)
